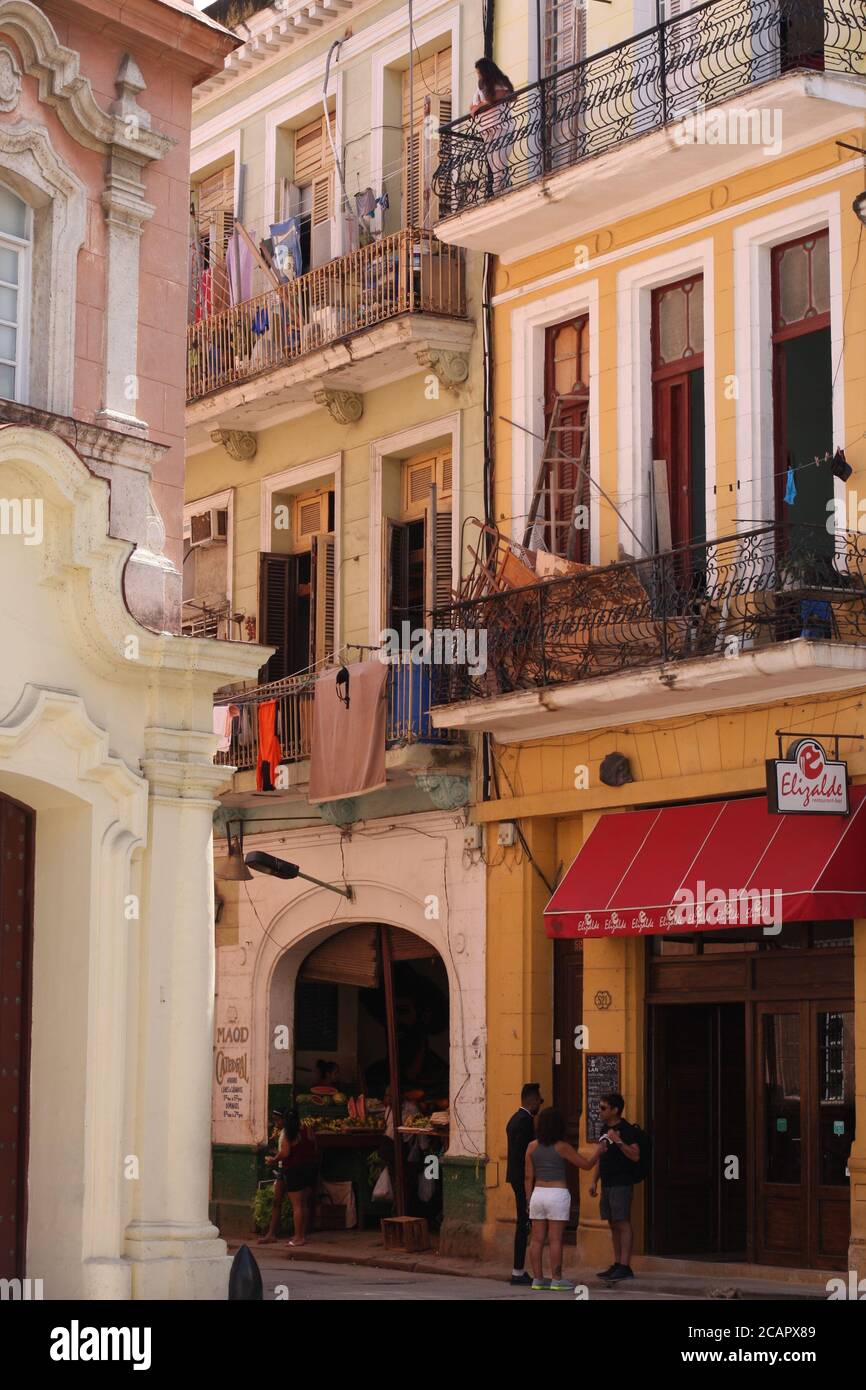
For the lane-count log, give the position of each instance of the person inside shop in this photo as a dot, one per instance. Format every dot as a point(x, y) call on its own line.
point(618, 1160)
point(548, 1196)
point(408, 1109)
point(296, 1171)
point(327, 1074)
point(519, 1134)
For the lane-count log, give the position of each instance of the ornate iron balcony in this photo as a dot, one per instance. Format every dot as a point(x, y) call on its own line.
point(718, 599)
point(694, 60)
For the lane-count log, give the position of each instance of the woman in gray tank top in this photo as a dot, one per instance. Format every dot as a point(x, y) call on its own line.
point(548, 1196)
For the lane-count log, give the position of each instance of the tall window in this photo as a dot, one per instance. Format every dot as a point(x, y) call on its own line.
point(802, 385)
point(297, 589)
point(566, 376)
point(563, 34)
point(419, 544)
point(678, 408)
point(431, 107)
point(312, 197)
point(15, 239)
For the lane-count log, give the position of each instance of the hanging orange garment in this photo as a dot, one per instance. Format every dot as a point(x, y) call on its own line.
point(270, 752)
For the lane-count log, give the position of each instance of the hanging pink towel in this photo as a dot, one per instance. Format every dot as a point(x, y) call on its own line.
point(222, 726)
point(348, 753)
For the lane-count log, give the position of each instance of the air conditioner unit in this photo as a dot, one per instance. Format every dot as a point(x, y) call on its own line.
point(209, 528)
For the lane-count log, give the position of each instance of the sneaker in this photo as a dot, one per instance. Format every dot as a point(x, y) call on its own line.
point(606, 1273)
point(561, 1285)
point(540, 1285)
point(523, 1278)
point(622, 1272)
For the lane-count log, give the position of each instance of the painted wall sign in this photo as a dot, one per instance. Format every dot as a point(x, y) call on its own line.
point(806, 783)
point(602, 1075)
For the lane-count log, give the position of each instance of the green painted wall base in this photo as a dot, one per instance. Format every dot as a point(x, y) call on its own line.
point(237, 1170)
point(464, 1207)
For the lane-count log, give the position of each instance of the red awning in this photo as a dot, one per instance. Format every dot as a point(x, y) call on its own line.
point(711, 865)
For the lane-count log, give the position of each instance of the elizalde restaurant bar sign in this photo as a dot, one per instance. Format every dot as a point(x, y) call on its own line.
point(806, 783)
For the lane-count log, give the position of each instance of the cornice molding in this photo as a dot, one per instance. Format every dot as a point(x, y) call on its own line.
point(63, 86)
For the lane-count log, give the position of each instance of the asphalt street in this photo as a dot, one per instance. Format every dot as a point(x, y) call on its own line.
point(313, 1282)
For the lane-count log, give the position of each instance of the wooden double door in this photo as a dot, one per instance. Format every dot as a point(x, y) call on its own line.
point(16, 924)
point(752, 1107)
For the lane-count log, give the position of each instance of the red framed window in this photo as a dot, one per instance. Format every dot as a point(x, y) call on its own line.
point(677, 331)
point(566, 373)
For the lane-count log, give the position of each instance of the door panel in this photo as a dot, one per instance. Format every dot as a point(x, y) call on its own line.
point(16, 873)
point(832, 1039)
point(781, 1157)
point(683, 1167)
point(567, 1071)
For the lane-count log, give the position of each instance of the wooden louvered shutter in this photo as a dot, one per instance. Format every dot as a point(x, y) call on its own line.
point(322, 577)
point(349, 958)
point(437, 561)
point(398, 574)
point(321, 219)
point(278, 576)
point(431, 77)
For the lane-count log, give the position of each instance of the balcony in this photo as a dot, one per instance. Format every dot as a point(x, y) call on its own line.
point(772, 613)
point(412, 743)
point(350, 324)
point(624, 109)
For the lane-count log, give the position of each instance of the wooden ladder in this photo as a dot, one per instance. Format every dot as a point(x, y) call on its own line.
point(545, 509)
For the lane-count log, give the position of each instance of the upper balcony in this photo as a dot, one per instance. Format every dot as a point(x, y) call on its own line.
point(771, 614)
point(677, 105)
point(358, 321)
point(413, 747)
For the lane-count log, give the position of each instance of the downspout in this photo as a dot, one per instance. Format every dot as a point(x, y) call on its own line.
point(338, 44)
point(488, 276)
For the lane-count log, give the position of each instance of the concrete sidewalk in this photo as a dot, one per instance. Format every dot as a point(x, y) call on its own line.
point(656, 1277)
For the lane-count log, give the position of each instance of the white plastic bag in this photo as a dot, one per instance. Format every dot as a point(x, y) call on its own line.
point(383, 1191)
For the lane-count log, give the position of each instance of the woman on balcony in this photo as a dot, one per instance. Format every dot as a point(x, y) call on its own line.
point(494, 120)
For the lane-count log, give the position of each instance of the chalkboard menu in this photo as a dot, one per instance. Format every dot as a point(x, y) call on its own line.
point(602, 1076)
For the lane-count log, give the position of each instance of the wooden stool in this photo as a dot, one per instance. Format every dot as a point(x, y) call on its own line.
point(405, 1233)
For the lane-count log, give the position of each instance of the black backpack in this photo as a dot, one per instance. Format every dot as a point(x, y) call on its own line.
point(644, 1163)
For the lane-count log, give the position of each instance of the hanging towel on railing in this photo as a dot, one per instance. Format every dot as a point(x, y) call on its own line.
point(348, 752)
point(240, 262)
point(270, 752)
point(223, 718)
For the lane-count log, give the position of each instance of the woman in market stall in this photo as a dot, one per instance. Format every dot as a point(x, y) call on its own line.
point(296, 1170)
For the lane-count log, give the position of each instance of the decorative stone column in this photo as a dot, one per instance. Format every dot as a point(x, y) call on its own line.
point(133, 147)
point(175, 1251)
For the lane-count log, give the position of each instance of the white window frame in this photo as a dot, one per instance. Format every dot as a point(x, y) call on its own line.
point(753, 350)
point(219, 501)
point(24, 249)
point(307, 103)
point(528, 332)
point(296, 479)
point(402, 445)
point(634, 287)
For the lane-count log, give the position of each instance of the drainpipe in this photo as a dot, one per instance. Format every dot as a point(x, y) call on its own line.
point(337, 44)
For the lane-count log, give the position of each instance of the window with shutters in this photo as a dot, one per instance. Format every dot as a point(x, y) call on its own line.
point(313, 197)
point(564, 34)
point(207, 578)
point(431, 107)
point(419, 545)
point(297, 599)
point(212, 208)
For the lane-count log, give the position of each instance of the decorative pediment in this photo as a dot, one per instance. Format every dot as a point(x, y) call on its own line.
point(63, 86)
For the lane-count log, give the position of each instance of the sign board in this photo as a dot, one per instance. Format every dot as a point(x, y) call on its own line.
point(602, 1076)
point(806, 783)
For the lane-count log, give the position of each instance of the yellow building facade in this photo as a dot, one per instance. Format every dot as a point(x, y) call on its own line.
point(597, 229)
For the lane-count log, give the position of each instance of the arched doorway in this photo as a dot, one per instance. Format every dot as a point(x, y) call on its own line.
point(16, 938)
point(370, 1010)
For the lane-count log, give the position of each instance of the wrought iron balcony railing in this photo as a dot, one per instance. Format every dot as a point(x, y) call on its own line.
point(410, 272)
point(408, 717)
point(693, 60)
point(718, 599)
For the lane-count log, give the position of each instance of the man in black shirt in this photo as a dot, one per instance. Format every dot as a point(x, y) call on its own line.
point(520, 1132)
point(618, 1169)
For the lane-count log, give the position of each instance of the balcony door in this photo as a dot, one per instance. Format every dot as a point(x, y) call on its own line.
point(566, 373)
point(803, 389)
point(677, 326)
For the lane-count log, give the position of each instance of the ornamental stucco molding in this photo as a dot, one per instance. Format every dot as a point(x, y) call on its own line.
point(10, 79)
point(346, 407)
point(451, 369)
point(240, 445)
point(84, 568)
point(63, 87)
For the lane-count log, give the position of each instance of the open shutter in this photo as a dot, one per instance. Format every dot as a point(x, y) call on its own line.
point(322, 219)
point(437, 112)
point(431, 81)
point(277, 589)
point(437, 561)
point(398, 574)
point(322, 576)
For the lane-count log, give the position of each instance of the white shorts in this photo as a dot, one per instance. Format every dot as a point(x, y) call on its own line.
point(550, 1204)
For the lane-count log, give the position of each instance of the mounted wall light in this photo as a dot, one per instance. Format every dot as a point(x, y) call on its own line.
point(859, 206)
point(281, 868)
point(231, 867)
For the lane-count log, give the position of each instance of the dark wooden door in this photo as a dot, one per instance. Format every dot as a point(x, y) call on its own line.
point(568, 1058)
point(683, 1179)
point(831, 1131)
point(16, 928)
point(782, 1158)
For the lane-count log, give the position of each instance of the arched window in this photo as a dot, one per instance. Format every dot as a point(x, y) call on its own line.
point(15, 245)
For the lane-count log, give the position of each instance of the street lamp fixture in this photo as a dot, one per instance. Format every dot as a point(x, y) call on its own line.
point(282, 868)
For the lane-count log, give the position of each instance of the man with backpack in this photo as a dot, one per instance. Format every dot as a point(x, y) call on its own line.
point(621, 1166)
